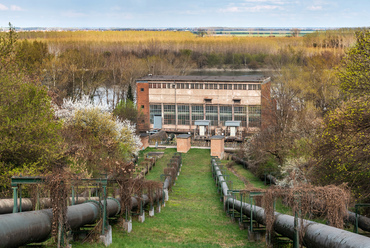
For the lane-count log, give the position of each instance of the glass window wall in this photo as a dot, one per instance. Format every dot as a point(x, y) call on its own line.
point(183, 115)
point(154, 110)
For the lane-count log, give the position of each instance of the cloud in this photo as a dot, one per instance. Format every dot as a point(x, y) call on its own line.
point(312, 7)
point(257, 8)
point(266, 1)
point(12, 7)
point(15, 8)
point(3, 7)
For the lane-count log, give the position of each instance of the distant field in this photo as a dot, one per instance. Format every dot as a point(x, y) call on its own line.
point(261, 33)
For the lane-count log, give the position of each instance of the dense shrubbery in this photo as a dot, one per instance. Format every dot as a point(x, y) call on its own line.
point(29, 135)
point(80, 137)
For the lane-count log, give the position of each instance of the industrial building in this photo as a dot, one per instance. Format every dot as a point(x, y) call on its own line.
point(203, 105)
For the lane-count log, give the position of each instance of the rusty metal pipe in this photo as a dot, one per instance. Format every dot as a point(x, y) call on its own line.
point(316, 235)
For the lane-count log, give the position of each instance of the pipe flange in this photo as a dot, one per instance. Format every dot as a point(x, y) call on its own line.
point(119, 204)
point(99, 204)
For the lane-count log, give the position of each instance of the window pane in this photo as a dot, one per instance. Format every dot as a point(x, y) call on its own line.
point(154, 110)
point(169, 114)
point(183, 115)
point(212, 114)
point(196, 113)
point(254, 116)
point(240, 114)
point(225, 114)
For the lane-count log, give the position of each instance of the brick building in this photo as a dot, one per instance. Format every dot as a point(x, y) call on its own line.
point(175, 103)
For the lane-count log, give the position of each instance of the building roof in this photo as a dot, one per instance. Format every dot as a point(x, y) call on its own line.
point(217, 137)
point(202, 123)
point(247, 78)
point(183, 136)
point(232, 123)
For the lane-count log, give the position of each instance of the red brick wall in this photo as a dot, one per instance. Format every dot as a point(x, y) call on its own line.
point(266, 104)
point(183, 145)
point(218, 148)
point(143, 101)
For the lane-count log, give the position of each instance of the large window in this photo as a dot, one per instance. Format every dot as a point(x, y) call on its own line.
point(212, 114)
point(240, 114)
point(183, 115)
point(254, 113)
point(169, 112)
point(197, 113)
point(254, 87)
point(225, 114)
point(154, 110)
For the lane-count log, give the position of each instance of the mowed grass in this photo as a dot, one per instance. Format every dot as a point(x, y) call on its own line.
point(193, 216)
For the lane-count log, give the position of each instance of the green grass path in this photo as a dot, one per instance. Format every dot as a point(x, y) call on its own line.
point(193, 216)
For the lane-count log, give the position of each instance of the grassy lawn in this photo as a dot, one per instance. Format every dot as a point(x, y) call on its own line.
point(193, 216)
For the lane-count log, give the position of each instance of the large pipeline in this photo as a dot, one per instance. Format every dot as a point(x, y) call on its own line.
point(6, 205)
point(35, 226)
point(316, 235)
point(18, 229)
point(363, 221)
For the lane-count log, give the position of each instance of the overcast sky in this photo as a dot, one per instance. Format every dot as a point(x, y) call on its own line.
point(185, 13)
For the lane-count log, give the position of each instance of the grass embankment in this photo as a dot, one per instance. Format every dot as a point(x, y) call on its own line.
point(252, 182)
point(193, 216)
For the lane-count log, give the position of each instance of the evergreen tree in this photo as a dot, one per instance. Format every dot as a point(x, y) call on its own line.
point(130, 96)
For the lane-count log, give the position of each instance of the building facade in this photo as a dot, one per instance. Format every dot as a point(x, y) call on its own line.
point(174, 103)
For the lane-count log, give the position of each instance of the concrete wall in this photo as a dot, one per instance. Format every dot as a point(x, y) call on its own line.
point(197, 96)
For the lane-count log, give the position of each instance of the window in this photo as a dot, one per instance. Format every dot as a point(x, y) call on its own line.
point(254, 115)
point(142, 106)
point(150, 85)
point(212, 114)
point(164, 86)
point(154, 110)
point(206, 86)
point(192, 86)
point(235, 86)
point(236, 101)
point(240, 114)
point(168, 86)
point(183, 115)
point(208, 100)
point(254, 87)
point(240, 86)
point(197, 113)
point(141, 89)
point(244, 86)
point(169, 112)
point(225, 114)
point(229, 86)
point(201, 86)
